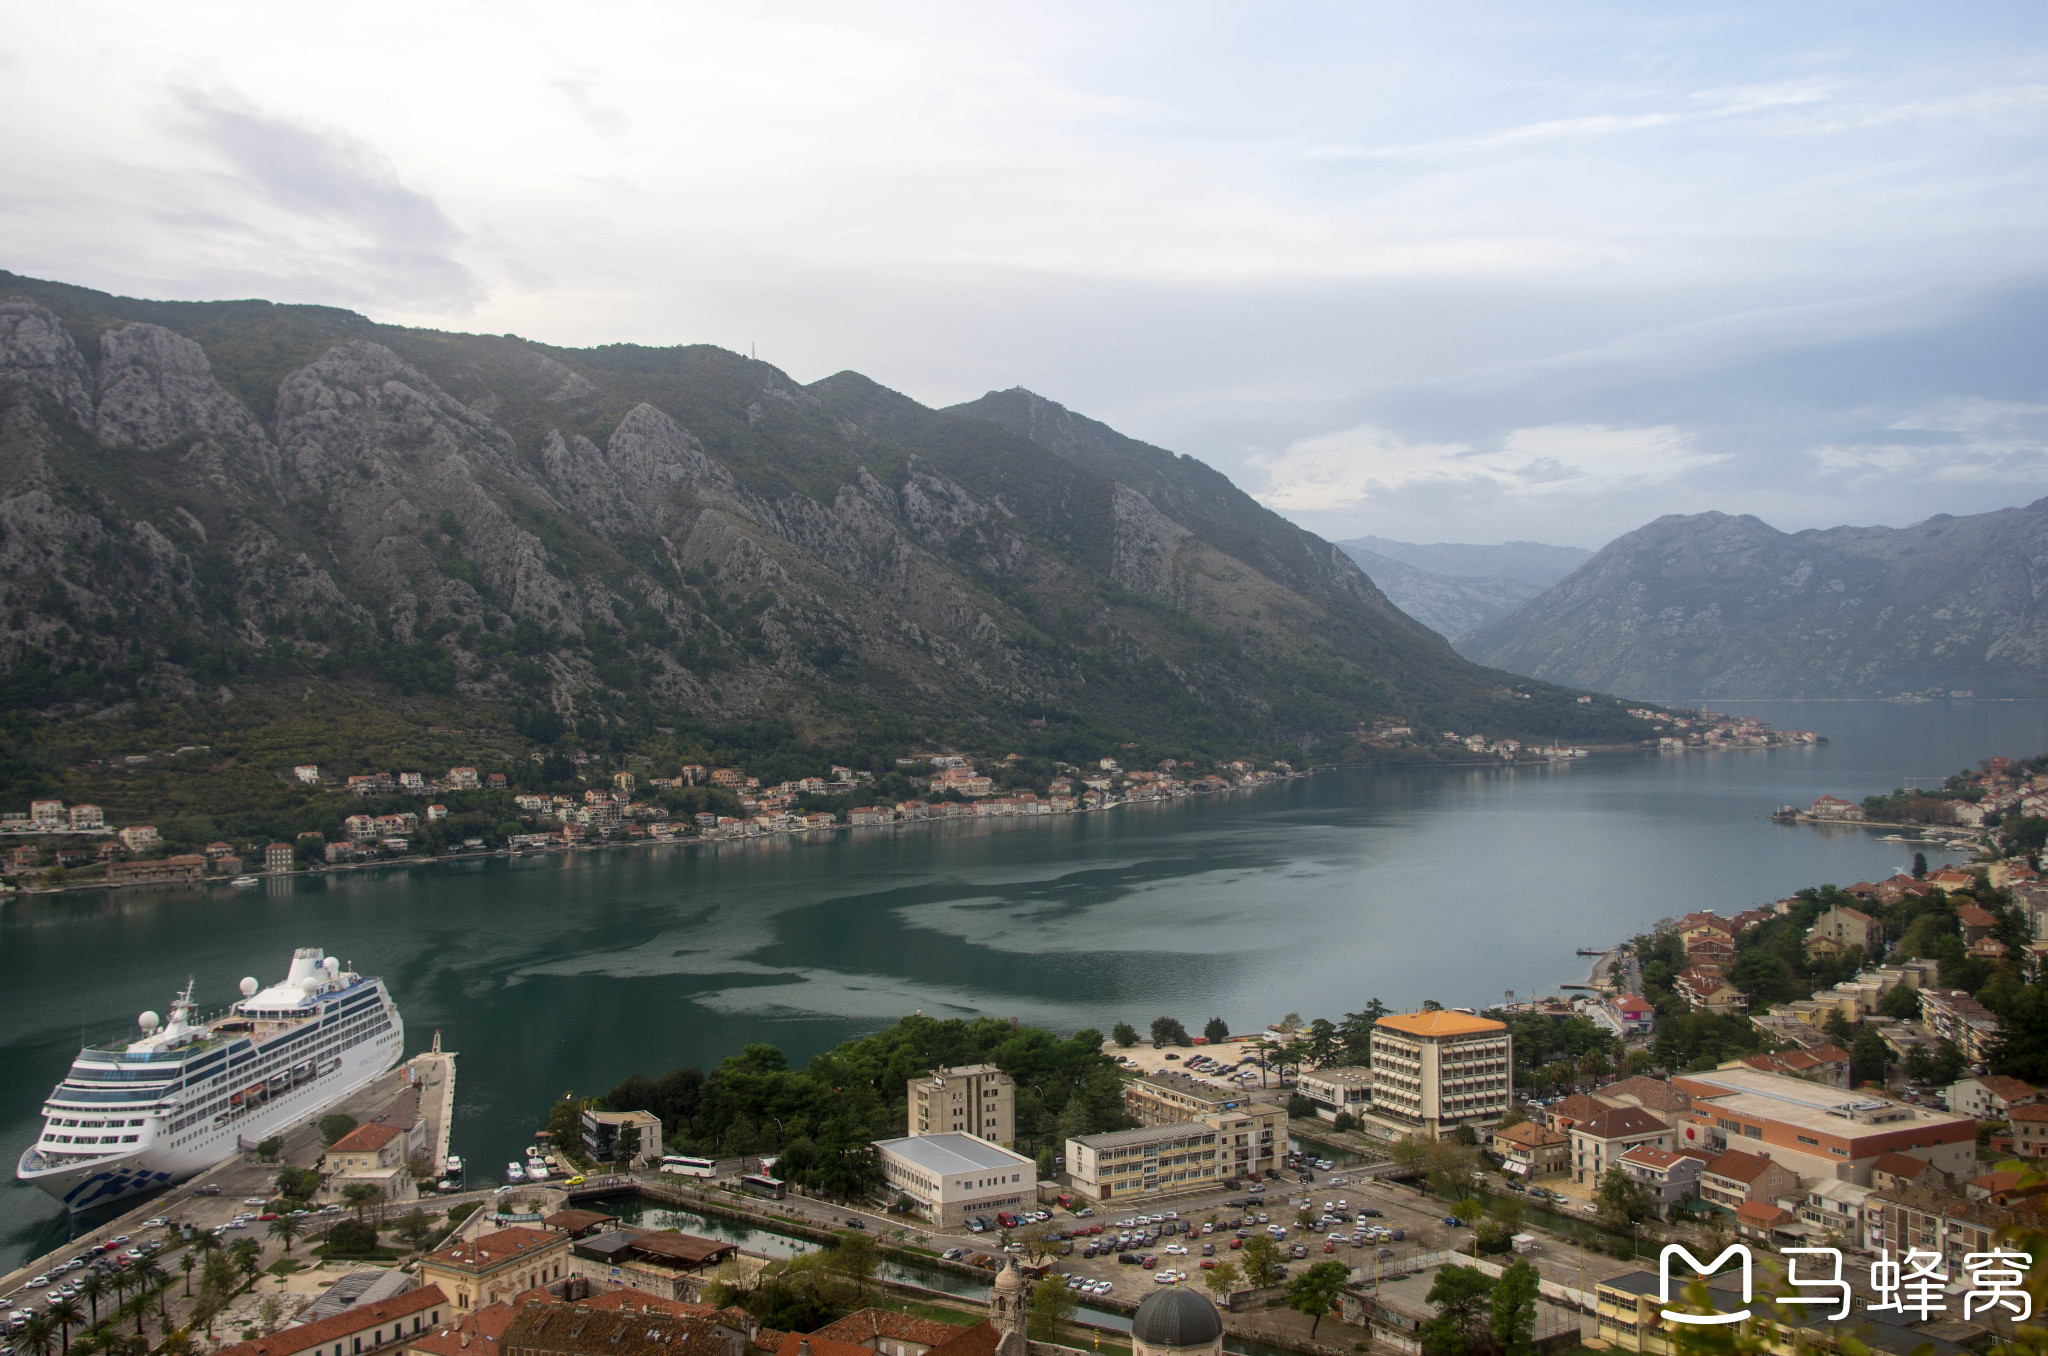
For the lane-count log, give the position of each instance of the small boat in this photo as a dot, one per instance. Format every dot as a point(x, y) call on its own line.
point(447, 1184)
point(535, 1172)
point(455, 1165)
point(514, 1173)
point(244, 882)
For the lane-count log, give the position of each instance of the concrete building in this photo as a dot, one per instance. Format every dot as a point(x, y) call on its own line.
point(974, 1099)
point(1599, 1142)
point(1670, 1177)
point(662, 1262)
point(1435, 1071)
point(1255, 1132)
point(1530, 1150)
point(1842, 927)
point(952, 1175)
point(496, 1266)
point(1840, 1210)
point(1954, 1016)
point(1346, 1088)
point(1817, 1131)
point(372, 1155)
point(379, 1325)
point(1154, 1160)
point(602, 1129)
point(1735, 1178)
point(1990, 1097)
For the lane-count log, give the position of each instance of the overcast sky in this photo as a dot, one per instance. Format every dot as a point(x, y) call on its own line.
point(1435, 272)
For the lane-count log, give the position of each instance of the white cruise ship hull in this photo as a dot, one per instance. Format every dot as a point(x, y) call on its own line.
point(175, 1133)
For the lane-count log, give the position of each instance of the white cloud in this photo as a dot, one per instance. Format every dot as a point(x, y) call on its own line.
point(1346, 469)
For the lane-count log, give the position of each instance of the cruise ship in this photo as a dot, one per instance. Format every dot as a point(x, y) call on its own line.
point(190, 1091)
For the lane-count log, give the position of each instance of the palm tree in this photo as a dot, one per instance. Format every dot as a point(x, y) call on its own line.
point(188, 1259)
point(359, 1196)
point(286, 1228)
point(150, 1282)
point(90, 1289)
point(37, 1336)
point(64, 1313)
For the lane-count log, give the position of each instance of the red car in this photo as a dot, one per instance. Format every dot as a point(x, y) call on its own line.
point(1208, 1264)
point(1236, 1242)
point(267, 1215)
point(1330, 1246)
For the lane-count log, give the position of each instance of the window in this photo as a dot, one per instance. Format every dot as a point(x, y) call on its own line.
point(1808, 1139)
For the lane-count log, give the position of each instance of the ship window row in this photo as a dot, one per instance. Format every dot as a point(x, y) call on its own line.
point(94, 1139)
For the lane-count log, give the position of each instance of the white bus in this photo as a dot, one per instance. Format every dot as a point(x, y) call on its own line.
point(683, 1166)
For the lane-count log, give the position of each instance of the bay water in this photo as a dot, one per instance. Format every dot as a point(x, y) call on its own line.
point(553, 974)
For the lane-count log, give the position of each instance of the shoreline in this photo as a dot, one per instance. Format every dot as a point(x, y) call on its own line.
point(697, 840)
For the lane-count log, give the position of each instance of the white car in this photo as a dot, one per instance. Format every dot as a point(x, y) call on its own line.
point(252, 1200)
point(39, 1282)
point(157, 1223)
point(1175, 1250)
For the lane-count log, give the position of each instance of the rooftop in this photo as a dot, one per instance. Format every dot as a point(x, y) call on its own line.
point(494, 1249)
point(365, 1139)
point(1808, 1105)
point(1654, 1094)
point(955, 1151)
point(344, 1324)
point(1144, 1134)
point(1440, 1023)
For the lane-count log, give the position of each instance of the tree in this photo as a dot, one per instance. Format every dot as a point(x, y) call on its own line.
point(1514, 1310)
point(1168, 1031)
point(1314, 1292)
point(1463, 1299)
point(1038, 1239)
point(1356, 1031)
point(334, 1125)
point(64, 1313)
point(1869, 1057)
point(1900, 1004)
point(1124, 1034)
point(1222, 1279)
point(1410, 1153)
point(1623, 1201)
point(187, 1260)
point(626, 1145)
point(248, 1257)
point(269, 1149)
point(90, 1289)
point(1261, 1261)
point(1052, 1307)
point(1345, 1121)
point(1919, 866)
point(360, 1196)
point(416, 1228)
point(1215, 1029)
point(37, 1336)
point(1322, 1041)
point(855, 1257)
point(285, 1229)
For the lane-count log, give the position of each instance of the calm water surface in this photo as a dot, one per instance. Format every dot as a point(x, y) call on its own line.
point(551, 974)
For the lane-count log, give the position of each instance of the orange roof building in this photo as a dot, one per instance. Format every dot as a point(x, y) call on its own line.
point(1438, 1070)
point(383, 1325)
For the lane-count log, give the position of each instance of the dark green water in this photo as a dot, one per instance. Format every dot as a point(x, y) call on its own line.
point(550, 974)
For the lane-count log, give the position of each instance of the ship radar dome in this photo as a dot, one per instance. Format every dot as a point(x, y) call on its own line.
point(148, 1021)
point(332, 965)
point(249, 986)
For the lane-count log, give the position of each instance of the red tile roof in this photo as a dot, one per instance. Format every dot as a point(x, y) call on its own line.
point(347, 1323)
point(476, 1335)
point(640, 1302)
point(365, 1139)
point(870, 1325)
point(1758, 1213)
point(494, 1249)
point(980, 1340)
point(1739, 1166)
point(811, 1344)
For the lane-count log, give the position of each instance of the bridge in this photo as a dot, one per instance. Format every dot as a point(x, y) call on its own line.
point(590, 1188)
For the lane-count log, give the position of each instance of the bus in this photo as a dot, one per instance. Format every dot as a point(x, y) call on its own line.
point(761, 1184)
point(684, 1166)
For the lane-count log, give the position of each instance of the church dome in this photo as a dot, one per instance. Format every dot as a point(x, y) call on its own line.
point(1176, 1317)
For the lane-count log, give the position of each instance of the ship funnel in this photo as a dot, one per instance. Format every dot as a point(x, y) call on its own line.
point(249, 986)
point(148, 1021)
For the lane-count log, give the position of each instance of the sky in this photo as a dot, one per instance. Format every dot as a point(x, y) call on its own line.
point(1431, 272)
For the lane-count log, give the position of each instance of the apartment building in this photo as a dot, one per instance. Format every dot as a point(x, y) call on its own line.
point(1955, 1016)
point(973, 1099)
point(1435, 1071)
point(1257, 1130)
point(1600, 1142)
point(1153, 1160)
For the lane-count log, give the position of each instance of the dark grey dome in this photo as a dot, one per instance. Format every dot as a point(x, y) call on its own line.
point(1177, 1318)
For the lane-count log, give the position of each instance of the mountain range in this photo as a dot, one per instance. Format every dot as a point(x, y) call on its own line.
point(202, 498)
point(1709, 605)
point(1454, 588)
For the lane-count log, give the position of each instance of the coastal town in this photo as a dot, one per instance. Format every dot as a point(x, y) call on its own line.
point(1849, 1068)
point(395, 817)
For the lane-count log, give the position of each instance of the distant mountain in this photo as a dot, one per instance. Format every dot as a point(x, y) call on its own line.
point(1454, 588)
point(1709, 605)
point(616, 540)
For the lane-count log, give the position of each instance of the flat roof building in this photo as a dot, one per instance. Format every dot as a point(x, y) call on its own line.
point(1153, 1160)
point(1817, 1131)
point(1344, 1089)
point(1257, 1131)
point(953, 1175)
point(1435, 1071)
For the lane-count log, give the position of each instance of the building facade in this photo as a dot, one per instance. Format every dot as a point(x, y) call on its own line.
point(1255, 1132)
point(1817, 1131)
point(602, 1130)
point(1346, 1089)
point(496, 1266)
point(973, 1099)
point(1433, 1072)
point(952, 1176)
